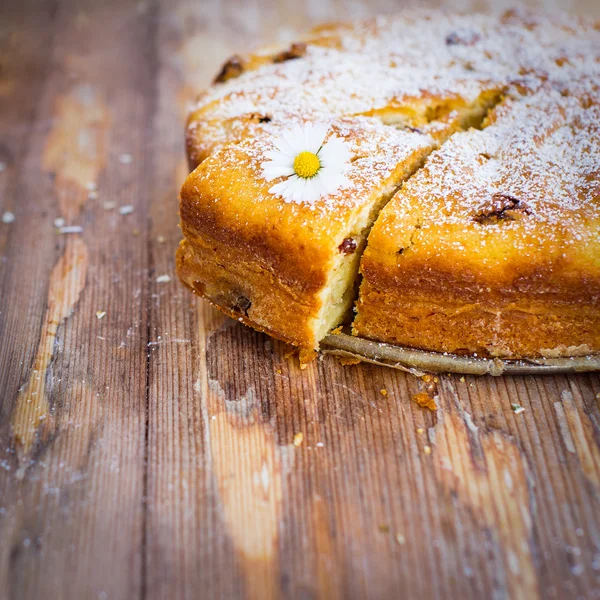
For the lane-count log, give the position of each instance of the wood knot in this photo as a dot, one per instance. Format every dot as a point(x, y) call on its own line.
point(348, 246)
point(296, 50)
point(233, 68)
point(501, 207)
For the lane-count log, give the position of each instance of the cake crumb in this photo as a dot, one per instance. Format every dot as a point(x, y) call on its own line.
point(517, 408)
point(384, 528)
point(8, 217)
point(161, 239)
point(100, 314)
point(298, 439)
point(462, 379)
point(59, 222)
point(420, 430)
point(307, 356)
point(383, 392)
point(425, 400)
point(400, 539)
point(346, 362)
point(163, 279)
point(427, 449)
point(125, 159)
point(109, 205)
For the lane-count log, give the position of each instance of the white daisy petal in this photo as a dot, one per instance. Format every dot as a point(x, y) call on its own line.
point(282, 187)
point(335, 152)
point(271, 172)
point(317, 136)
point(284, 147)
point(280, 157)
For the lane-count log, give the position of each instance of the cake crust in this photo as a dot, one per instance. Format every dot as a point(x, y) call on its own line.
point(503, 259)
point(488, 127)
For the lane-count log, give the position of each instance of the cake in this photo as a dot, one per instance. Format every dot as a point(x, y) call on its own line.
point(466, 218)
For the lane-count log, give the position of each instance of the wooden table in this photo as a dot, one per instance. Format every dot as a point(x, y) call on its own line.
point(147, 442)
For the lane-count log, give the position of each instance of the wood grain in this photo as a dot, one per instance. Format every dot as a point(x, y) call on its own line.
point(155, 452)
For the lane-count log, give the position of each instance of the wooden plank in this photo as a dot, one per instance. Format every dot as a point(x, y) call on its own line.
point(73, 386)
point(380, 496)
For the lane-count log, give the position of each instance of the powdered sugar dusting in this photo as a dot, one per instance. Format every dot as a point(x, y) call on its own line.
point(387, 63)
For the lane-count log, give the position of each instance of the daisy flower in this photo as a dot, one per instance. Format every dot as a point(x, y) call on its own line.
point(310, 166)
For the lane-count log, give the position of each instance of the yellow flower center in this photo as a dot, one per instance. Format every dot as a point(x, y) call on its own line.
point(306, 164)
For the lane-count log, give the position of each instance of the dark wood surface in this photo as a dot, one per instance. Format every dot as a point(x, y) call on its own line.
point(154, 452)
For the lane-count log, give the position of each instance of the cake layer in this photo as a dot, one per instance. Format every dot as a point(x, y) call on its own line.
point(285, 267)
point(494, 246)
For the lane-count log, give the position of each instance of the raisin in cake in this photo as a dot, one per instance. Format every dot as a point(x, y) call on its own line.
point(473, 148)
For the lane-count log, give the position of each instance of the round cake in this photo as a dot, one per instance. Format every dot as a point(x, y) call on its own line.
point(430, 179)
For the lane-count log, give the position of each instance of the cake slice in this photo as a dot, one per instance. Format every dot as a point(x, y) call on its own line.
point(285, 267)
point(493, 248)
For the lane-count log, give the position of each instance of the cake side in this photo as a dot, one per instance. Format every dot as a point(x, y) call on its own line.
point(494, 246)
point(287, 267)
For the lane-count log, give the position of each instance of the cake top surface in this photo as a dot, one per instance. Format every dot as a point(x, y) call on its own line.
point(388, 65)
point(394, 84)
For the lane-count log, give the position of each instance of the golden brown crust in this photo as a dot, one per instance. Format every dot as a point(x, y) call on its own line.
point(502, 261)
point(244, 241)
point(470, 264)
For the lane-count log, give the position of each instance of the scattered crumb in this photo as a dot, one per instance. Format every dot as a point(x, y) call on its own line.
point(307, 356)
point(126, 209)
point(100, 314)
point(400, 539)
point(462, 379)
point(337, 330)
point(298, 439)
point(109, 205)
point(125, 159)
point(383, 392)
point(425, 400)
point(135, 232)
point(278, 371)
point(517, 408)
point(349, 361)
point(91, 186)
point(163, 279)
point(8, 217)
point(59, 222)
point(598, 396)
point(161, 239)
point(384, 528)
point(320, 445)
point(427, 449)
point(430, 384)
point(93, 195)
point(291, 352)
point(70, 229)
point(2, 166)
point(420, 430)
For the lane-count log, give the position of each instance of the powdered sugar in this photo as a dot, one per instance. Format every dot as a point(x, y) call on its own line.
point(393, 67)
